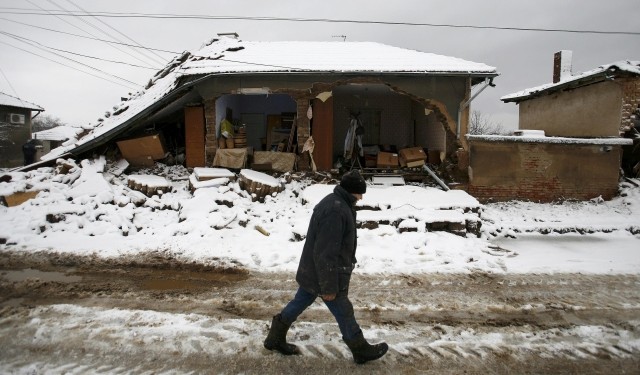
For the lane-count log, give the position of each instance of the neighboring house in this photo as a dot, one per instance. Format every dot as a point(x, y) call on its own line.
point(403, 98)
point(574, 129)
point(53, 138)
point(15, 128)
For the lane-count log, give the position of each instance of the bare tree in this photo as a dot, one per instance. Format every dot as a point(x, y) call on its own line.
point(481, 124)
point(44, 122)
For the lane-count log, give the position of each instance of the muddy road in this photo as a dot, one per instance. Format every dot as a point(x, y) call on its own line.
point(72, 314)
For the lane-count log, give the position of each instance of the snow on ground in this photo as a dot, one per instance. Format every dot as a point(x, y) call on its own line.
point(88, 211)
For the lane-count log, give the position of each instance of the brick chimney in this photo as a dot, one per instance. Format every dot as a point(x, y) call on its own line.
point(561, 65)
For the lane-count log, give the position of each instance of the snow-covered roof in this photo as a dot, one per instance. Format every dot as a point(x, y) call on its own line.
point(234, 56)
point(59, 133)
point(632, 67)
point(12, 101)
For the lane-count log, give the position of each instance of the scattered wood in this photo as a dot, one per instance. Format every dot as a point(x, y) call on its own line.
point(262, 230)
point(119, 167)
point(149, 185)
point(259, 184)
point(64, 166)
point(19, 198)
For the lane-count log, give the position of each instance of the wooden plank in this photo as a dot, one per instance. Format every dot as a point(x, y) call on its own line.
point(16, 199)
point(194, 135)
point(322, 132)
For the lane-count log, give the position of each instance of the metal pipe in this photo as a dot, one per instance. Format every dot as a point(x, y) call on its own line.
point(465, 104)
point(438, 180)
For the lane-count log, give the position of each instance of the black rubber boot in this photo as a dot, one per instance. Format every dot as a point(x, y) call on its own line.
point(363, 351)
point(277, 337)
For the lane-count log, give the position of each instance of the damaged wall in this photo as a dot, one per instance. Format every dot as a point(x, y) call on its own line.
point(544, 172)
point(440, 94)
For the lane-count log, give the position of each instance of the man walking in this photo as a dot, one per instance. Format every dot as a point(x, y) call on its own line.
point(29, 152)
point(328, 258)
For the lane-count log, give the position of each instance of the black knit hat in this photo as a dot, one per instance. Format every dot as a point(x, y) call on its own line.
point(353, 183)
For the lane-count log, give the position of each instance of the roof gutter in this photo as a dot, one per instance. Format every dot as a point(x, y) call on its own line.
point(487, 82)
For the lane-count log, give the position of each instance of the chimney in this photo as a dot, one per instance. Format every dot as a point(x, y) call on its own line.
point(561, 65)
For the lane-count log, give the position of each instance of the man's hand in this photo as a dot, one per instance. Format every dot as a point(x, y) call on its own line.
point(328, 297)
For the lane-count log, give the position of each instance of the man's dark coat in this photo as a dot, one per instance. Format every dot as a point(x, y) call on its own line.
point(329, 253)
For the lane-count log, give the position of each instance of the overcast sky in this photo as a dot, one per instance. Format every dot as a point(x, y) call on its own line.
point(523, 58)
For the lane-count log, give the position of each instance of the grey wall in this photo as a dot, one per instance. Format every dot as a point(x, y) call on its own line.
point(590, 111)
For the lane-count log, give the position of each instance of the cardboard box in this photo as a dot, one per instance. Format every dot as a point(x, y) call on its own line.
point(387, 160)
point(413, 154)
point(143, 148)
point(414, 164)
point(370, 161)
point(141, 161)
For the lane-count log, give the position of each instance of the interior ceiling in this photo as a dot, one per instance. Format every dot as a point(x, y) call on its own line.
point(177, 105)
point(363, 89)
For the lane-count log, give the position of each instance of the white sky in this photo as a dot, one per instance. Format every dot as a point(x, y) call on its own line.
point(524, 58)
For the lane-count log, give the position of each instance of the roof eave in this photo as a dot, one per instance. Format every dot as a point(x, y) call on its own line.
point(570, 85)
point(353, 72)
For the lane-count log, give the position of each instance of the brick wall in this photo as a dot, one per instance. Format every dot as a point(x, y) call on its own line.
point(211, 140)
point(542, 172)
point(630, 101)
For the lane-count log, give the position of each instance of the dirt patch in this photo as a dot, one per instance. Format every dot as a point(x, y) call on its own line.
point(424, 317)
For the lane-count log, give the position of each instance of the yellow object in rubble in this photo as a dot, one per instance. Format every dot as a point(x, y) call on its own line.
point(226, 128)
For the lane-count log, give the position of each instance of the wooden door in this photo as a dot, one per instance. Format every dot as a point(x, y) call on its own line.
point(322, 133)
point(194, 136)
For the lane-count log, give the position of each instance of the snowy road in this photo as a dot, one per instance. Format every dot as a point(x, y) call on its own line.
point(72, 315)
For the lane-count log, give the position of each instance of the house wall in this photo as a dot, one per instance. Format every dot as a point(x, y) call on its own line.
point(13, 136)
point(501, 171)
point(589, 111)
point(430, 132)
point(396, 123)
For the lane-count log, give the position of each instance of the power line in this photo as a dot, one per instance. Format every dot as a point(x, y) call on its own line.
point(65, 65)
point(325, 20)
point(79, 70)
point(74, 53)
point(9, 82)
point(35, 44)
point(155, 49)
point(86, 37)
point(162, 60)
point(150, 58)
point(53, 13)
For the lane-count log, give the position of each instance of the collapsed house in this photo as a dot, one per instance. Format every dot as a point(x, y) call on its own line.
point(293, 105)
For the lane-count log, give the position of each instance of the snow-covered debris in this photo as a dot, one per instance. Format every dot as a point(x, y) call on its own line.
point(83, 209)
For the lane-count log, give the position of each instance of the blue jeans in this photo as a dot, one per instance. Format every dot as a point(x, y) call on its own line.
point(340, 307)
